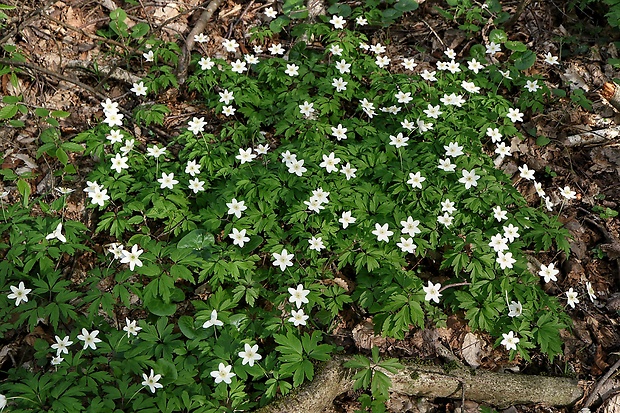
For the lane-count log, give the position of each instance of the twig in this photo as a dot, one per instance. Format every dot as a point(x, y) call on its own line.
point(600, 384)
point(434, 32)
point(200, 26)
point(236, 22)
point(445, 287)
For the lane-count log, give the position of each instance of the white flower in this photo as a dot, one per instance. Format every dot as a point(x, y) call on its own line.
point(448, 206)
point(568, 193)
point(192, 168)
point(452, 100)
point(238, 66)
point(129, 143)
point(510, 341)
point(410, 227)
point(109, 106)
point(283, 260)
point(506, 74)
point(167, 180)
point(515, 309)
point(450, 53)
point(432, 111)
point(230, 45)
point(113, 119)
point(339, 132)
point(499, 213)
point(306, 108)
point(250, 59)
point(250, 355)
point(415, 180)
point(245, 155)
point(361, 20)
point(119, 163)
point(548, 272)
point(532, 85)
point(298, 295)
point(89, 339)
point(212, 321)
point(57, 234)
point(475, 65)
point(132, 257)
point(19, 293)
point(152, 381)
point(201, 38)
point(408, 64)
point(446, 165)
point(494, 134)
point(514, 115)
point(206, 63)
point(115, 136)
point(271, 13)
point(343, 67)
point(316, 243)
point(336, 50)
point(239, 237)
point(408, 125)
point(292, 69)
point(590, 291)
point(228, 110)
point(3, 402)
point(498, 243)
point(226, 96)
point(196, 185)
point(469, 178)
point(348, 171)
point(382, 61)
point(116, 249)
point(470, 87)
point(502, 150)
point(551, 59)
point(223, 374)
point(99, 196)
point(338, 22)
point(330, 162)
point(445, 219)
point(432, 292)
point(526, 172)
point(382, 232)
point(61, 345)
point(406, 245)
point(399, 140)
point(314, 204)
point(571, 296)
point(55, 361)
point(236, 207)
point(276, 49)
point(262, 149)
point(511, 232)
point(339, 84)
point(298, 318)
point(378, 48)
point(297, 167)
point(493, 48)
point(131, 328)
point(430, 76)
point(139, 89)
point(155, 151)
point(453, 149)
point(505, 260)
point(539, 189)
point(346, 219)
point(258, 49)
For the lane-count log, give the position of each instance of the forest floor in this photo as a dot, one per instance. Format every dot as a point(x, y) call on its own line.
point(61, 36)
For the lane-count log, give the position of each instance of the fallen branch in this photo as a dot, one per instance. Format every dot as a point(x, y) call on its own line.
point(199, 27)
point(416, 379)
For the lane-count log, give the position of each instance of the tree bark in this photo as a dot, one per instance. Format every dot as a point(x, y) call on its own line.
point(417, 379)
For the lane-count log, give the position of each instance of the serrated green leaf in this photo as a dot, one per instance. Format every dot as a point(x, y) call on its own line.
point(8, 112)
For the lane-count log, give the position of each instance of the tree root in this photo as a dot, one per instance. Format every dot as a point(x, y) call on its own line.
point(199, 27)
point(416, 379)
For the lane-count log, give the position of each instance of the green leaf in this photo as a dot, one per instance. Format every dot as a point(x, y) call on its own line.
point(406, 5)
point(140, 30)
point(340, 9)
point(515, 46)
point(498, 36)
point(23, 187)
point(542, 141)
point(159, 307)
point(525, 60)
point(186, 325)
point(42, 112)
point(62, 156)
point(60, 114)
point(197, 239)
point(8, 112)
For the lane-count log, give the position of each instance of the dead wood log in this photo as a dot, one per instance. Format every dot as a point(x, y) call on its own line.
point(417, 379)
